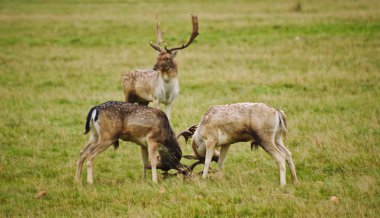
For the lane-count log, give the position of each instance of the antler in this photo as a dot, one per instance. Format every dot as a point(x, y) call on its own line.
point(198, 162)
point(159, 37)
point(194, 34)
point(188, 133)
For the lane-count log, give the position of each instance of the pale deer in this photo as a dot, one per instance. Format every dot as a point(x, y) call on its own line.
point(224, 125)
point(160, 84)
point(147, 127)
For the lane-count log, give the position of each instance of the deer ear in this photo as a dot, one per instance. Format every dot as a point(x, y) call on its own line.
point(173, 54)
point(190, 157)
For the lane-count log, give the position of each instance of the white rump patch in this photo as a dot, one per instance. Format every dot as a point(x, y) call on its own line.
point(95, 123)
point(94, 112)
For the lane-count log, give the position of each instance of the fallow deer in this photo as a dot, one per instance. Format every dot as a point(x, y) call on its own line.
point(224, 125)
point(147, 127)
point(160, 84)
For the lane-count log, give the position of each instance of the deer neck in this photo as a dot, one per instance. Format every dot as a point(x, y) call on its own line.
point(170, 153)
point(169, 74)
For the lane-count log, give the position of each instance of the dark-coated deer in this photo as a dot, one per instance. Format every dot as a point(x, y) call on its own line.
point(160, 84)
point(241, 122)
point(147, 127)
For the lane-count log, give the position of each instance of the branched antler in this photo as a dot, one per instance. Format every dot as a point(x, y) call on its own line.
point(188, 133)
point(159, 37)
point(194, 34)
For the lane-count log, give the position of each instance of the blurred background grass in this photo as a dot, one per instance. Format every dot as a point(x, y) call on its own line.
point(317, 60)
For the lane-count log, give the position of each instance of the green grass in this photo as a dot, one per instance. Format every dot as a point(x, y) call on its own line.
point(320, 64)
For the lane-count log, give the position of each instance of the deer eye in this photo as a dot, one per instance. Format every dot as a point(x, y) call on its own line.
point(166, 58)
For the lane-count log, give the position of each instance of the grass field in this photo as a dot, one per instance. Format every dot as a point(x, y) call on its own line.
point(319, 63)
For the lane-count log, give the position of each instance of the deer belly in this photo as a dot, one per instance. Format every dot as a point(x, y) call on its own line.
point(134, 98)
point(138, 140)
point(226, 138)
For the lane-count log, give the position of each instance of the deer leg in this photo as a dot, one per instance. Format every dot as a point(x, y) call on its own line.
point(222, 155)
point(93, 138)
point(83, 155)
point(153, 154)
point(98, 148)
point(210, 145)
point(289, 159)
point(168, 108)
point(145, 159)
point(271, 148)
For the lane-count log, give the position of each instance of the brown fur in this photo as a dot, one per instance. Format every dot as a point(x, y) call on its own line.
point(159, 85)
point(228, 124)
point(147, 127)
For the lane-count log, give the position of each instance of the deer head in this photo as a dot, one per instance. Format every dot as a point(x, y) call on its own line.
point(165, 60)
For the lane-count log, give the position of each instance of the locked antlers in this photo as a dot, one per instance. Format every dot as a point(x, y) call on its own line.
point(187, 134)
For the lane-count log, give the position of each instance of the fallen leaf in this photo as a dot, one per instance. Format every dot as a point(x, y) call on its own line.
point(334, 199)
point(162, 190)
point(198, 197)
point(40, 194)
point(284, 195)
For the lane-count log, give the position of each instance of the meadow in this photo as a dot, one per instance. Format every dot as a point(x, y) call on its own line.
point(316, 60)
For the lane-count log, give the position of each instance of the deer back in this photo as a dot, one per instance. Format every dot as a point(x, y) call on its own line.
point(228, 124)
point(137, 123)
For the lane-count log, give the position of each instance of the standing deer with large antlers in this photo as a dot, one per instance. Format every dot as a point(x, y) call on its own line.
point(224, 125)
point(160, 84)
